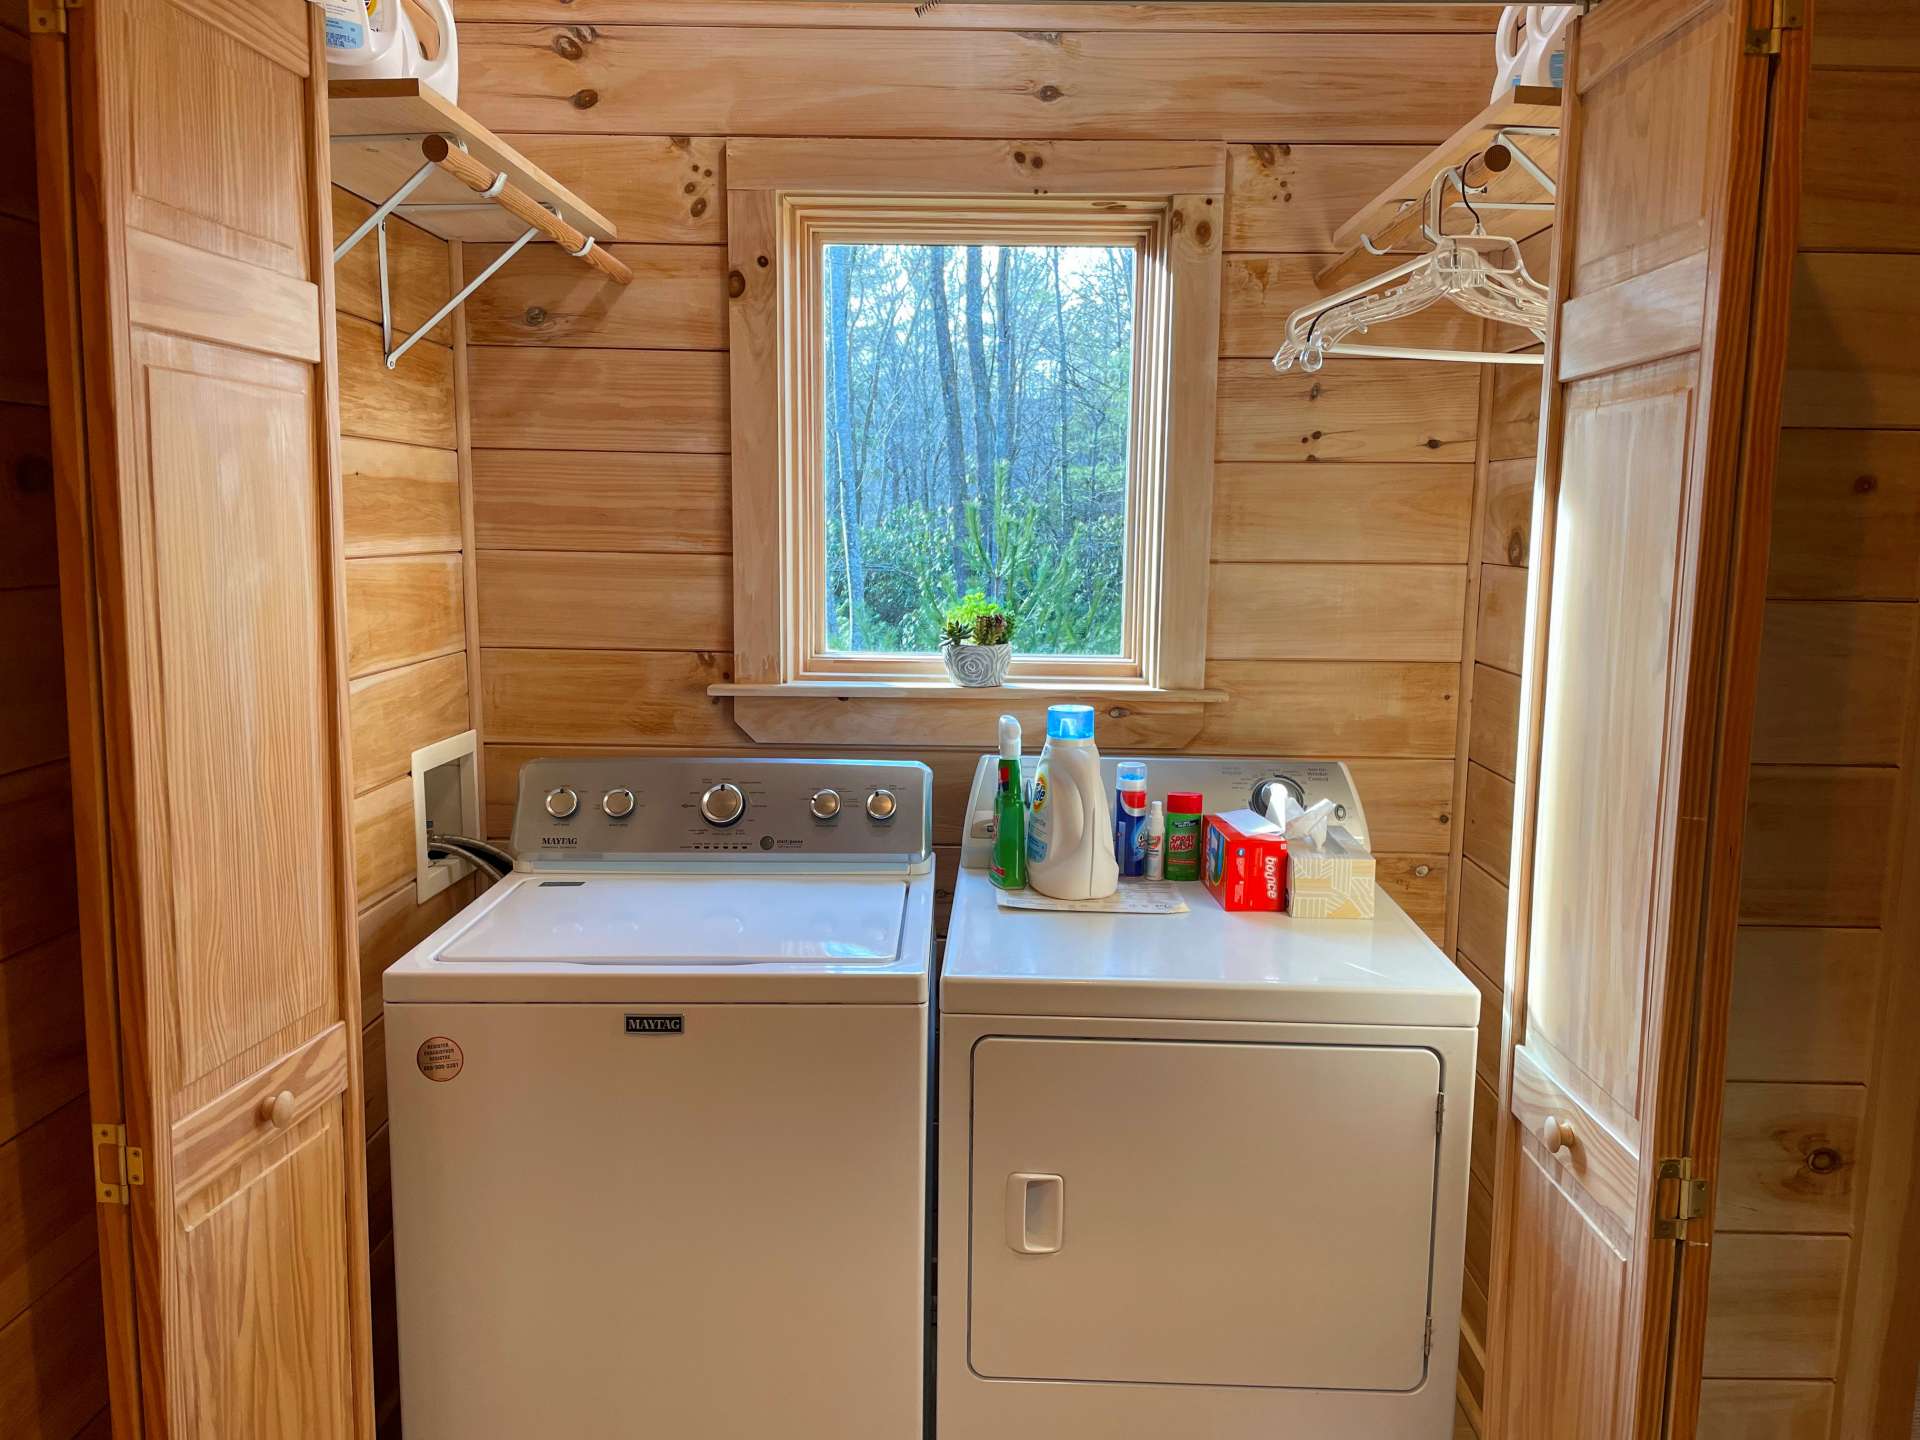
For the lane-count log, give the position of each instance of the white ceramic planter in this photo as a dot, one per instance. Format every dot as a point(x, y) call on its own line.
point(977, 666)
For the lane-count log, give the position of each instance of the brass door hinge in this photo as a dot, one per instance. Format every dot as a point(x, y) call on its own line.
point(117, 1166)
point(1674, 1182)
point(1775, 18)
point(49, 17)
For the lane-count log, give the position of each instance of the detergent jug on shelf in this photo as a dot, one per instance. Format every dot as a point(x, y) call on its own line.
point(379, 40)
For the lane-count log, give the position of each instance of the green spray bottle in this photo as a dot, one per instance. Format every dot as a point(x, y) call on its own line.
point(1009, 868)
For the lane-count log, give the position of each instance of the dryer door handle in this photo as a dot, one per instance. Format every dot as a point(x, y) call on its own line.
point(1036, 1213)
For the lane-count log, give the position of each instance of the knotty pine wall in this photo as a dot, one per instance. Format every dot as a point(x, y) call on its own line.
point(1817, 1197)
point(600, 421)
point(53, 1377)
point(1503, 528)
point(408, 617)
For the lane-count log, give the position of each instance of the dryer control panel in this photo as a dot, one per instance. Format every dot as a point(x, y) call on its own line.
point(744, 810)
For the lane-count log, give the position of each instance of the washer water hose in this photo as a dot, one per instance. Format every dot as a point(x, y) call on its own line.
point(491, 859)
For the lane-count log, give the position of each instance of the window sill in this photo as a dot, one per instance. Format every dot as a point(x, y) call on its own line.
point(935, 688)
point(932, 712)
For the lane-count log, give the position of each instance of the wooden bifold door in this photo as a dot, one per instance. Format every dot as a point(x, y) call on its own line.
point(1650, 535)
point(196, 427)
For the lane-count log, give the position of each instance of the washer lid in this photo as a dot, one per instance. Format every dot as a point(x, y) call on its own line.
point(1204, 965)
point(688, 920)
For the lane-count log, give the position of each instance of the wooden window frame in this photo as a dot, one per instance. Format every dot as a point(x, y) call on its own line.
point(788, 199)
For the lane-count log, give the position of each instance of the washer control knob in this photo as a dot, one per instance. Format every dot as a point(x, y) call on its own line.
point(825, 804)
point(881, 805)
point(723, 804)
point(562, 801)
point(617, 803)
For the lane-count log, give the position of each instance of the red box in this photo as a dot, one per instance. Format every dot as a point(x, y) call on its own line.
point(1245, 865)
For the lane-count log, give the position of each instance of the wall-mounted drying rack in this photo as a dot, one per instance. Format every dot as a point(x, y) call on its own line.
point(1501, 170)
point(408, 151)
point(1512, 153)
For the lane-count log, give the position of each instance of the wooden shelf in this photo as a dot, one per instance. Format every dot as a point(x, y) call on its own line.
point(1391, 220)
point(377, 128)
point(935, 688)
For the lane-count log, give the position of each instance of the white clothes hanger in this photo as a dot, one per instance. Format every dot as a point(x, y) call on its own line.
point(1483, 274)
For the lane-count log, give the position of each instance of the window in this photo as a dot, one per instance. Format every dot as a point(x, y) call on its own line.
point(975, 429)
point(942, 385)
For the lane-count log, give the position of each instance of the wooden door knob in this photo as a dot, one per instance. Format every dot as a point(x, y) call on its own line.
point(1557, 1134)
point(277, 1110)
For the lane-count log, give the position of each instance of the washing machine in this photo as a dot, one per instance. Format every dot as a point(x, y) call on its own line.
point(659, 1107)
point(1200, 1174)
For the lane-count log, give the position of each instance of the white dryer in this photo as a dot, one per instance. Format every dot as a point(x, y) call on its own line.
point(1201, 1174)
point(658, 1110)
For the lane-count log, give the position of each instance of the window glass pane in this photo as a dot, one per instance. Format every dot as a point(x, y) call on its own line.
point(975, 426)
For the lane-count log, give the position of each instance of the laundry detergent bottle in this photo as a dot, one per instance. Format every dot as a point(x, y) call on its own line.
point(1069, 822)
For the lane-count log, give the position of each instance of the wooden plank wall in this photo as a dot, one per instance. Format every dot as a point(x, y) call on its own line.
point(407, 579)
point(1816, 1171)
point(53, 1378)
point(1503, 526)
point(600, 415)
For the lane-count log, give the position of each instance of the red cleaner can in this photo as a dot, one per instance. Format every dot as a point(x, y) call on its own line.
point(1184, 809)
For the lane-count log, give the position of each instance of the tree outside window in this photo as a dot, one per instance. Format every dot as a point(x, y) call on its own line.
point(975, 428)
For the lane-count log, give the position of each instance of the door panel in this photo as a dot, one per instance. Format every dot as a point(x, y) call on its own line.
point(1208, 1214)
point(1603, 724)
point(240, 1282)
point(246, 197)
point(212, 495)
point(231, 444)
point(1565, 1257)
point(1650, 535)
point(1647, 163)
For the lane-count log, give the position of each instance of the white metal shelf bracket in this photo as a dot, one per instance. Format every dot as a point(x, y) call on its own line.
point(1527, 162)
point(489, 198)
point(393, 355)
point(376, 224)
point(378, 219)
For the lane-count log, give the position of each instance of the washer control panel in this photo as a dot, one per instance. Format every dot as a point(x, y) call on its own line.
point(639, 808)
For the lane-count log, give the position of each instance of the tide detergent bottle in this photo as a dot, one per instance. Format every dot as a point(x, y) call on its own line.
point(1069, 823)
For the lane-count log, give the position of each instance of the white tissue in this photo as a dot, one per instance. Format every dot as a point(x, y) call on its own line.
point(1302, 826)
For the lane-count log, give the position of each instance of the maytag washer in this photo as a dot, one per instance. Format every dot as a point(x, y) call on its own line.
point(658, 1111)
point(1201, 1174)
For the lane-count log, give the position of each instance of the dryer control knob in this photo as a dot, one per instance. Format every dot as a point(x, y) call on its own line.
point(723, 804)
point(825, 804)
point(617, 803)
point(881, 805)
point(562, 801)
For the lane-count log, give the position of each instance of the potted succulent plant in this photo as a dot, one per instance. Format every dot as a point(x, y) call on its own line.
point(976, 641)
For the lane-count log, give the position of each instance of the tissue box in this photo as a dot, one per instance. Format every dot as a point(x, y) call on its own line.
point(1245, 864)
point(1332, 881)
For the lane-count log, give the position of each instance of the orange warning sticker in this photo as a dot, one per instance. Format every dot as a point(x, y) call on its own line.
point(439, 1058)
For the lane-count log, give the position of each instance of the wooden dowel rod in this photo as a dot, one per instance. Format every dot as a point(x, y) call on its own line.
point(516, 202)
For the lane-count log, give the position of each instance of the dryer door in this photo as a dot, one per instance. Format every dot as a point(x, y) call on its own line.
point(1192, 1213)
